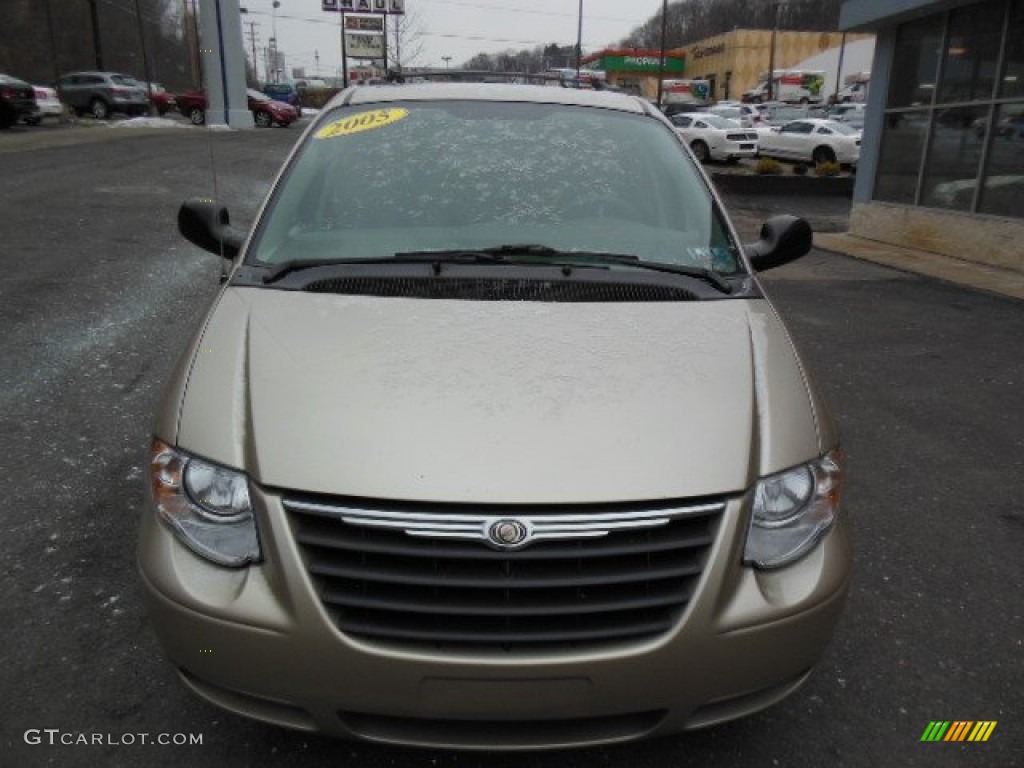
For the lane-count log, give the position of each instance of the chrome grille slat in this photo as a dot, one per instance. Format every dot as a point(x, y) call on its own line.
point(420, 575)
point(510, 638)
point(393, 577)
point(469, 609)
point(414, 549)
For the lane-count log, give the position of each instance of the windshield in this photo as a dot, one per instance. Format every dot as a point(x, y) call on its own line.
point(843, 128)
point(717, 121)
point(125, 80)
point(257, 96)
point(733, 113)
point(371, 182)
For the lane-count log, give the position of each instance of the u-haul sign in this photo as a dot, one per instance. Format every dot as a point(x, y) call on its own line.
point(364, 6)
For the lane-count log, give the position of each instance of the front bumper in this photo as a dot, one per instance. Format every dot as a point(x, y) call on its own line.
point(258, 642)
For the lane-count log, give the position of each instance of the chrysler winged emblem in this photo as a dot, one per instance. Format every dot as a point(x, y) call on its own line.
point(508, 534)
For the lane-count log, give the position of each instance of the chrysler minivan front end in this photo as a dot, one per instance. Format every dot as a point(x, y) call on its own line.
point(491, 439)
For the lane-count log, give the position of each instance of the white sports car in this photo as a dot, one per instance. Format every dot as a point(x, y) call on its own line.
point(712, 137)
point(812, 140)
point(47, 102)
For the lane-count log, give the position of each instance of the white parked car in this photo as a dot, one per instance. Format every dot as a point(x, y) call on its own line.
point(47, 102)
point(712, 137)
point(748, 115)
point(851, 114)
point(812, 140)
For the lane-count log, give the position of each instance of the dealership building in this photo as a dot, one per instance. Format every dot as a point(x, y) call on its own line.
point(942, 160)
point(734, 62)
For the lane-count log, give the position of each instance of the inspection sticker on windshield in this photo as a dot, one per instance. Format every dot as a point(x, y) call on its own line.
point(362, 121)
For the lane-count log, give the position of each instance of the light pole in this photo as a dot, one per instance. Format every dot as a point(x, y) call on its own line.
point(446, 59)
point(252, 40)
point(661, 61)
point(771, 56)
point(97, 48)
point(579, 40)
point(273, 19)
point(145, 58)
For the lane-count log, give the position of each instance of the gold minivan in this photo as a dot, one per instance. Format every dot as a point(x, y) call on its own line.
point(491, 439)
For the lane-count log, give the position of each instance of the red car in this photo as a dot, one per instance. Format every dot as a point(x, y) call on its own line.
point(265, 111)
point(161, 99)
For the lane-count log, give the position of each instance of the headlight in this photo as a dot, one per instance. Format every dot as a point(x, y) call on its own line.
point(792, 511)
point(206, 506)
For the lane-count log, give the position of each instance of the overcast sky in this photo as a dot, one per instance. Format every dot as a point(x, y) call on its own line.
point(456, 28)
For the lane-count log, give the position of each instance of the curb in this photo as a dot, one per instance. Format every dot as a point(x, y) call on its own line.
point(982, 277)
point(762, 184)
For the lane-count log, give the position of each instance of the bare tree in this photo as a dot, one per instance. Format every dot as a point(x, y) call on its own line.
point(30, 51)
point(405, 40)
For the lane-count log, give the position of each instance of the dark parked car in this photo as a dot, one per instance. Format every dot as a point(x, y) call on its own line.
point(17, 101)
point(285, 92)
point(265, 111)
point(103, 93)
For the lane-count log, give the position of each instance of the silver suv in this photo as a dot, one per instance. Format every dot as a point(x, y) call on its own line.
point(103, 93)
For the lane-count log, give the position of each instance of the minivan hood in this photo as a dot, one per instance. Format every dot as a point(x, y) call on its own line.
point(496, 402)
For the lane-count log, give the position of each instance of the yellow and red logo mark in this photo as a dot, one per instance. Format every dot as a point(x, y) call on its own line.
point(958, 730)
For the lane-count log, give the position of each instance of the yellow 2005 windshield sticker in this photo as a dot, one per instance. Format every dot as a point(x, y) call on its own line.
point(361, 121)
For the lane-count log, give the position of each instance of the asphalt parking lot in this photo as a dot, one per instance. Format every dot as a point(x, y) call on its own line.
point(98, 295)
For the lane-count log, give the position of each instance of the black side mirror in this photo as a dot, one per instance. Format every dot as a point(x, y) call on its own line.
point(206, 224)
point(783, 239)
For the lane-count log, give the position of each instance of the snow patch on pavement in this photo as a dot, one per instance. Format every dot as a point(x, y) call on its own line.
point(147, 122)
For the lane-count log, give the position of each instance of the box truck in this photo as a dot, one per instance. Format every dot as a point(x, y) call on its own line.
point(793, 86)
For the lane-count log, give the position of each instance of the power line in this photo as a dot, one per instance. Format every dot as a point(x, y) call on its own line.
point(530, 11)
point(474, 38)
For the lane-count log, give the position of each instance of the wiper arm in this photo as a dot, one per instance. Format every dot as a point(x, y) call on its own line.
point(298, 265)
point(701, 273)
point(497, 255)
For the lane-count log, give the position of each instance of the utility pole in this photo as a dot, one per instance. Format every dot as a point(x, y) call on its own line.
point(839, 69)
point(192, 32)
point(385, 41)
point(661, 61)
point(145, 57)
point(579, 41)
point(253, 36)
point(344, 53)
point(316, 57)
point(771, 56)
point(95, 15)
point(398, 43)
point(277, 76)
point(53, 44)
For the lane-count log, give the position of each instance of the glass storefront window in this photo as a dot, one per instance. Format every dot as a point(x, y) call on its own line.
point(971, 55)
point(973, 113)
point(917, 62)
point(1012, 81)
point(951, 171)
point(1003, 189)
point(899, 163)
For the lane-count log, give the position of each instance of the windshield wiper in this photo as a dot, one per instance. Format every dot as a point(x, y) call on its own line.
point(556, 258)
point(469, 256)
point(598, 258)
point(514, 253)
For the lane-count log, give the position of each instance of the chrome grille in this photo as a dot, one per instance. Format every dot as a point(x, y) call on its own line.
point(430, 576)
